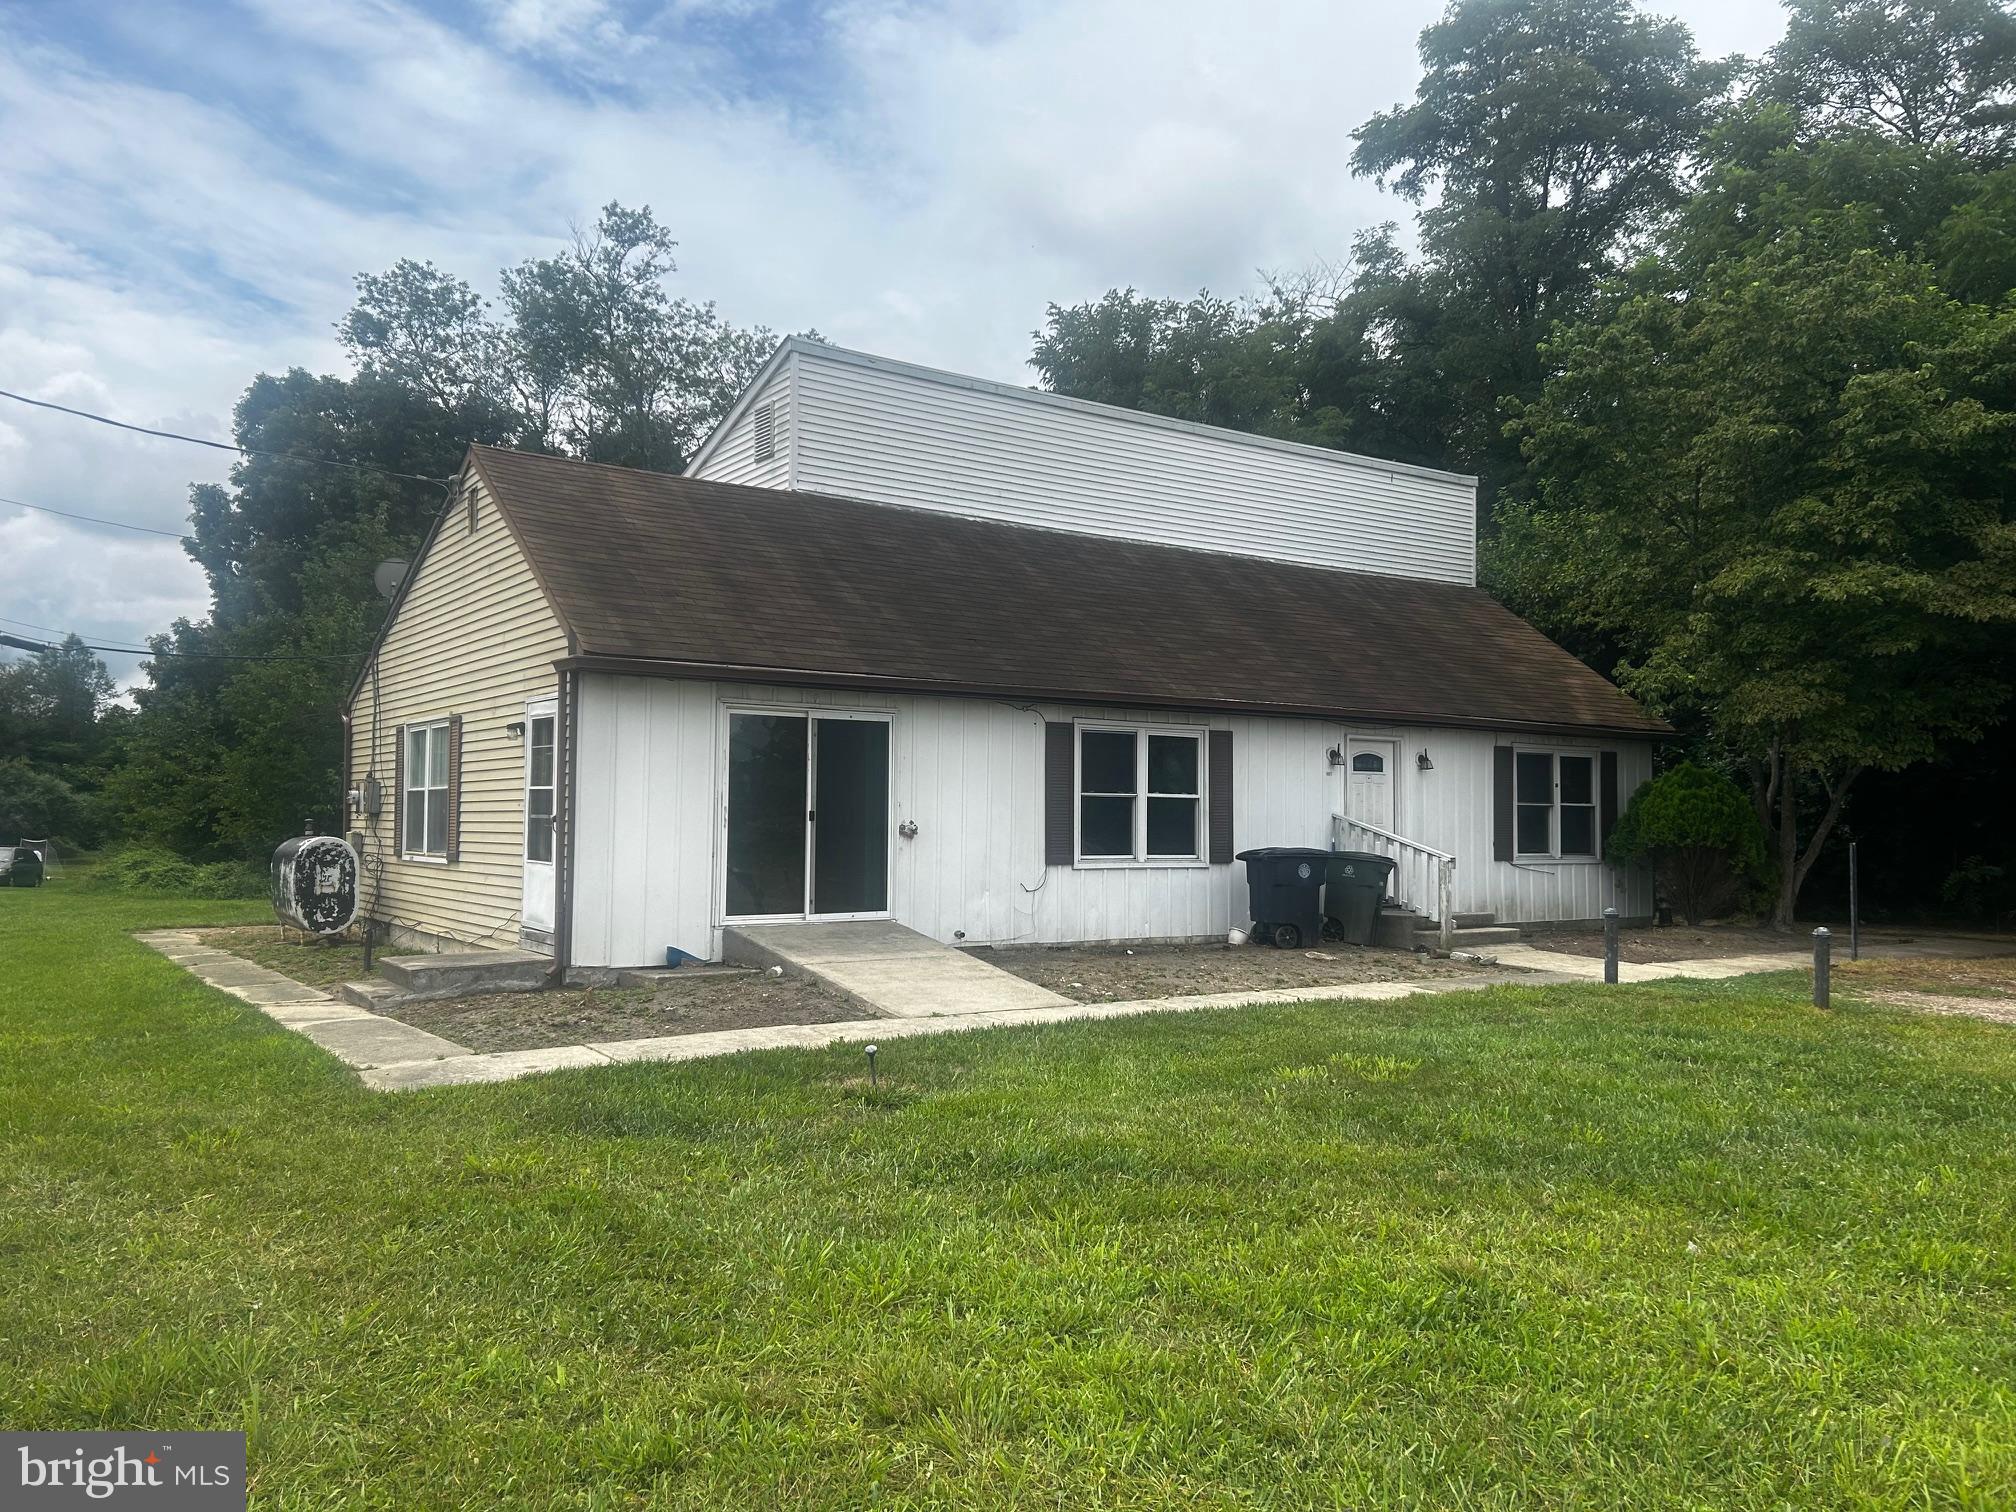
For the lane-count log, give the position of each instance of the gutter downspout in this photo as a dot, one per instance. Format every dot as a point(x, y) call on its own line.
point(565, 759)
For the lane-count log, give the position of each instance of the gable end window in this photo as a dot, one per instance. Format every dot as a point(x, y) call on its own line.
point(1554, 802)
point(1140, 795)
point(423, 812)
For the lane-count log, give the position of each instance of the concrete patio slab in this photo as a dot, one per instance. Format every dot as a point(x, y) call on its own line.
point(889, 970)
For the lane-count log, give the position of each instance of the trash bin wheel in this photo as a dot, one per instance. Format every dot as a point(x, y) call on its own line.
point(1287, 936)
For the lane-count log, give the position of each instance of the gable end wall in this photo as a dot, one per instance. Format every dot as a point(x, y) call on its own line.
point(474, 636)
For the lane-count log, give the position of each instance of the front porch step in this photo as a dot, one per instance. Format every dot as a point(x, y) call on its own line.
point(442, 976)
point(1473, 920)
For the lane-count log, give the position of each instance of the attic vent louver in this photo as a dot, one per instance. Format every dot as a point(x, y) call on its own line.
point(766, 432)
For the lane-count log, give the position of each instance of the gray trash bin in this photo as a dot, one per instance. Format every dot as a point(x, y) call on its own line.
point(1354, 885)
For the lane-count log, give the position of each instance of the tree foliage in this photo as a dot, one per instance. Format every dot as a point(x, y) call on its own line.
point(1930, 73)
point(1699, 834)
point(236, 741)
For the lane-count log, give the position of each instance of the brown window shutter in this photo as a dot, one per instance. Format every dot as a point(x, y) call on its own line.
point(1060, 777)
point(1606, 799)
point(1218, 777)
point(454, 787)
point(398, 789)
point(1502, 814)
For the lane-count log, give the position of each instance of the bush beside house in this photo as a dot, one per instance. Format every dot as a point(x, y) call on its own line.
point(1700, 835)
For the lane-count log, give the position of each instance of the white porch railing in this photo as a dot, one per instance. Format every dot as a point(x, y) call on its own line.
point(1421, 873)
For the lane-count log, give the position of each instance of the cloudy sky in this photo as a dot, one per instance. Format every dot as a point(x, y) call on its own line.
point(188, 189)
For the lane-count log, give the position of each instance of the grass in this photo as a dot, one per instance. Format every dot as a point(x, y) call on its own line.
point(1682, 1245)
point(320, 964)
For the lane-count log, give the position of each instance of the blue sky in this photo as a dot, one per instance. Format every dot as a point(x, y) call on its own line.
point(189, 188)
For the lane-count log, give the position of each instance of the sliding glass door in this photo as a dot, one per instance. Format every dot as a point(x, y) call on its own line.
point(808, 815)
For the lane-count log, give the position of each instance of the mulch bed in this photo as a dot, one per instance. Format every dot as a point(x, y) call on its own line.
point(570, 1016)
point(581, 1015)
point(1111, 974)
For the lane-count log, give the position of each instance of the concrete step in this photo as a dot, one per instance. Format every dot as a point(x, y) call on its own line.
point(460, 975)
point(1473, 920)
point(1471, 939)
point(890, 971)
point(374, 994)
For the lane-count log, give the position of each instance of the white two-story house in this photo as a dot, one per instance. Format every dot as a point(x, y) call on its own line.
point(996, 664)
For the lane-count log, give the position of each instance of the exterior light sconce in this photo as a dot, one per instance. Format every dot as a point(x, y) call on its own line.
point(515, 729)
point(1422, 762)
point(1336, 756)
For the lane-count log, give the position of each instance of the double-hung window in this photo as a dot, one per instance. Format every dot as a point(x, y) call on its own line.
point(424, 817)
point(1554, 802)
point(1140, 794)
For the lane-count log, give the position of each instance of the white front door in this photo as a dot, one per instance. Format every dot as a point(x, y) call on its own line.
point(540, 788)
point(1370, 767)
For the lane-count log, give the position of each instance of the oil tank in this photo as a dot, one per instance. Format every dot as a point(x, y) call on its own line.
point(315, 883)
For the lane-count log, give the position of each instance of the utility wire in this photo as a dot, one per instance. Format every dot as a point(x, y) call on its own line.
point(247, 451)
point(23, 643)
point(173, 535)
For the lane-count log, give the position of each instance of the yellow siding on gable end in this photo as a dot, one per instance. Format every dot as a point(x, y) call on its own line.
point(474, 636)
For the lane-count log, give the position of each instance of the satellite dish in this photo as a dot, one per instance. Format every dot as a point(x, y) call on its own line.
point(388, 575)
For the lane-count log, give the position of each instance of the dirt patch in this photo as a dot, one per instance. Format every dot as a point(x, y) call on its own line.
point(2000, 1010)
point(579, 1015)
point(1649, 947)
point(1950, 976)
point(1111, 974)
point(313, 964)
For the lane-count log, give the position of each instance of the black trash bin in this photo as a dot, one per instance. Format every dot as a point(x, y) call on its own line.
point(1285, 884)
point(1354, 885)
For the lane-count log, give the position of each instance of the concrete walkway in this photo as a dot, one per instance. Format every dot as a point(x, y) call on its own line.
point(391, 1056)
point(891, 971)
point(357, 1037)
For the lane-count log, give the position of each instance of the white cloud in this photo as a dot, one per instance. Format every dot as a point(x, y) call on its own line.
point(910, 178)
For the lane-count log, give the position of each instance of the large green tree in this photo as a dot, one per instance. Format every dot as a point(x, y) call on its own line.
point(56, 737)
point(1931, 73)
point(236, 740)
point(1786, 488)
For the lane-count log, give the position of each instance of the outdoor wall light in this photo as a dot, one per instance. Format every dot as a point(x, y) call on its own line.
point(1423, 762)
point(515, 729)
point(1336, 756)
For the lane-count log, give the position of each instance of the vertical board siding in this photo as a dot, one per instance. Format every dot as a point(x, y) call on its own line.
point(734, 459)
point(897, 435)
point(474, 638)
point(969, 773)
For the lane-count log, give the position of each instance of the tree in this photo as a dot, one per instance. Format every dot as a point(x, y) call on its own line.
point(1242, 364)
point(236, 739)
point(1933, 73)
point(1786, 489)
point(1556, 134)
point(36, 804)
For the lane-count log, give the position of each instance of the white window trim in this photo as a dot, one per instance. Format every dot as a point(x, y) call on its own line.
point(438, 729)
point(1552, 854)
point(1140, 860)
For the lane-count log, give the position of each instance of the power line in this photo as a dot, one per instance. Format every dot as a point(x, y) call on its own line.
point(173, 535)
point(23, 643)
point(247, 451)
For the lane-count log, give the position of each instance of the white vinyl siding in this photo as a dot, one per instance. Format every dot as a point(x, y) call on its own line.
point(737, 458)
point(474, 637)
point(968, 773)
point(867, 428)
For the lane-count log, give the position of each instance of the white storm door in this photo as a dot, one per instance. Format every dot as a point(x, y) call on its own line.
point(540, 789)
point(1370, 764)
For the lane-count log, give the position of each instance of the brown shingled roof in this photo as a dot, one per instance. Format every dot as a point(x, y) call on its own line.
point(762, 584)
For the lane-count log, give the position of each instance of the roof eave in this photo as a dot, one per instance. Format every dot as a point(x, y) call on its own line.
point(619, 665)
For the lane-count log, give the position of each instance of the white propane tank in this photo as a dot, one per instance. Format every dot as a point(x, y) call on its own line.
point(315, 883)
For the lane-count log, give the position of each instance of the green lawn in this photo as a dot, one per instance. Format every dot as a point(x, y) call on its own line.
point(1688, 1246)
